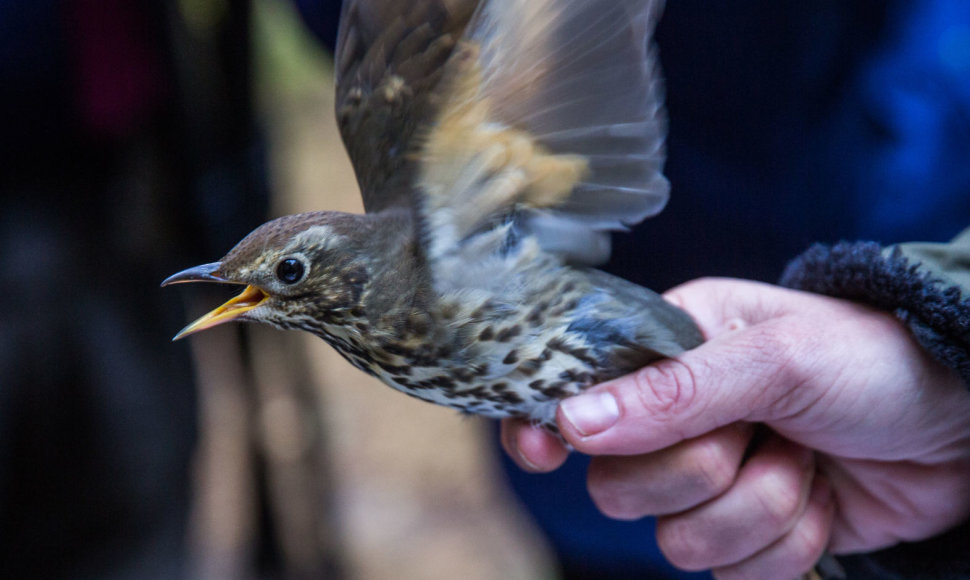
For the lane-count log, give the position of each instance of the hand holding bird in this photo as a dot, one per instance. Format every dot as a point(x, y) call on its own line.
point(868, 440)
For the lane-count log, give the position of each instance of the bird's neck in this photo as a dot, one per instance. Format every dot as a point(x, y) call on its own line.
point(396, 261)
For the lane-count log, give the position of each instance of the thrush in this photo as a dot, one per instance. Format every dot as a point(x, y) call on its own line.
point(497, 144)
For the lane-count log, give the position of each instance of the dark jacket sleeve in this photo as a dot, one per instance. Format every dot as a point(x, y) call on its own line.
point(927, 286)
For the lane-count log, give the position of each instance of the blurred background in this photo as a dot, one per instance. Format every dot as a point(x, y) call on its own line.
point(140, 138)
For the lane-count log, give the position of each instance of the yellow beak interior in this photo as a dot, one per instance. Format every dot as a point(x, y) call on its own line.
point(250, 298)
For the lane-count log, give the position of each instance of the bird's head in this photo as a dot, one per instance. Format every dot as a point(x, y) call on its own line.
point(299, 271)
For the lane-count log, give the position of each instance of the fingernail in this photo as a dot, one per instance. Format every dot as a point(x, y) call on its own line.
point(591, 413)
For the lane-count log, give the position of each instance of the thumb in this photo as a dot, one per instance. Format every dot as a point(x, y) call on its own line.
point(741, 375)
point(720, 305)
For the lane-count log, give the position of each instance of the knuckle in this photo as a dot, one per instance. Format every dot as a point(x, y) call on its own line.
point(601, 484)
point(780, 499)
point(666, 388)
point(808, 540)
point(805, 549)
point(611, 494)
point(680, 544)
point(713, 470)
point(615, 504)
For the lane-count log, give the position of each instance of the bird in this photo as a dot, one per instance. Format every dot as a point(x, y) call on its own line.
point(497, 144)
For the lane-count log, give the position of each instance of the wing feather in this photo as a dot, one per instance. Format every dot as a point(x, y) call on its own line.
point(390, 55)
point(550, 110)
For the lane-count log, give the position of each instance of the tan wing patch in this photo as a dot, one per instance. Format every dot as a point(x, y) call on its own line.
point(473, 167)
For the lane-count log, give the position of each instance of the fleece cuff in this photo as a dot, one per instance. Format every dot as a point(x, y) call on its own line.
point(937, 312)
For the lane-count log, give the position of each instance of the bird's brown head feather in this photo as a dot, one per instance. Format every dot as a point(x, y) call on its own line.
point(299, 271)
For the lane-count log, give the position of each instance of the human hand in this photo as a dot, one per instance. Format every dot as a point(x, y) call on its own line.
point(869, 441)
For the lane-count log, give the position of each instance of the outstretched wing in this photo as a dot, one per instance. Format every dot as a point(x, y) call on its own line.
point(549, 115)
point(390, 55)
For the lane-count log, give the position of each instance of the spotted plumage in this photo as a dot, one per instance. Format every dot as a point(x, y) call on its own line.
point(497, 143)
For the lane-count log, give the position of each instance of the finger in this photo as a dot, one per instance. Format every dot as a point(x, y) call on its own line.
point(671, 480)
point(767, 499)
point(711, 310)
point(532, 448)
point(798, 551)
point(720, 305)
point(740, 376)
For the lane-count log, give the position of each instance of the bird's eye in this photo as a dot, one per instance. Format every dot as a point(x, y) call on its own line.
point(289, 271)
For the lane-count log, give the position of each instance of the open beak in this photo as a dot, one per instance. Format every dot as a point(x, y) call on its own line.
point(250, 298)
